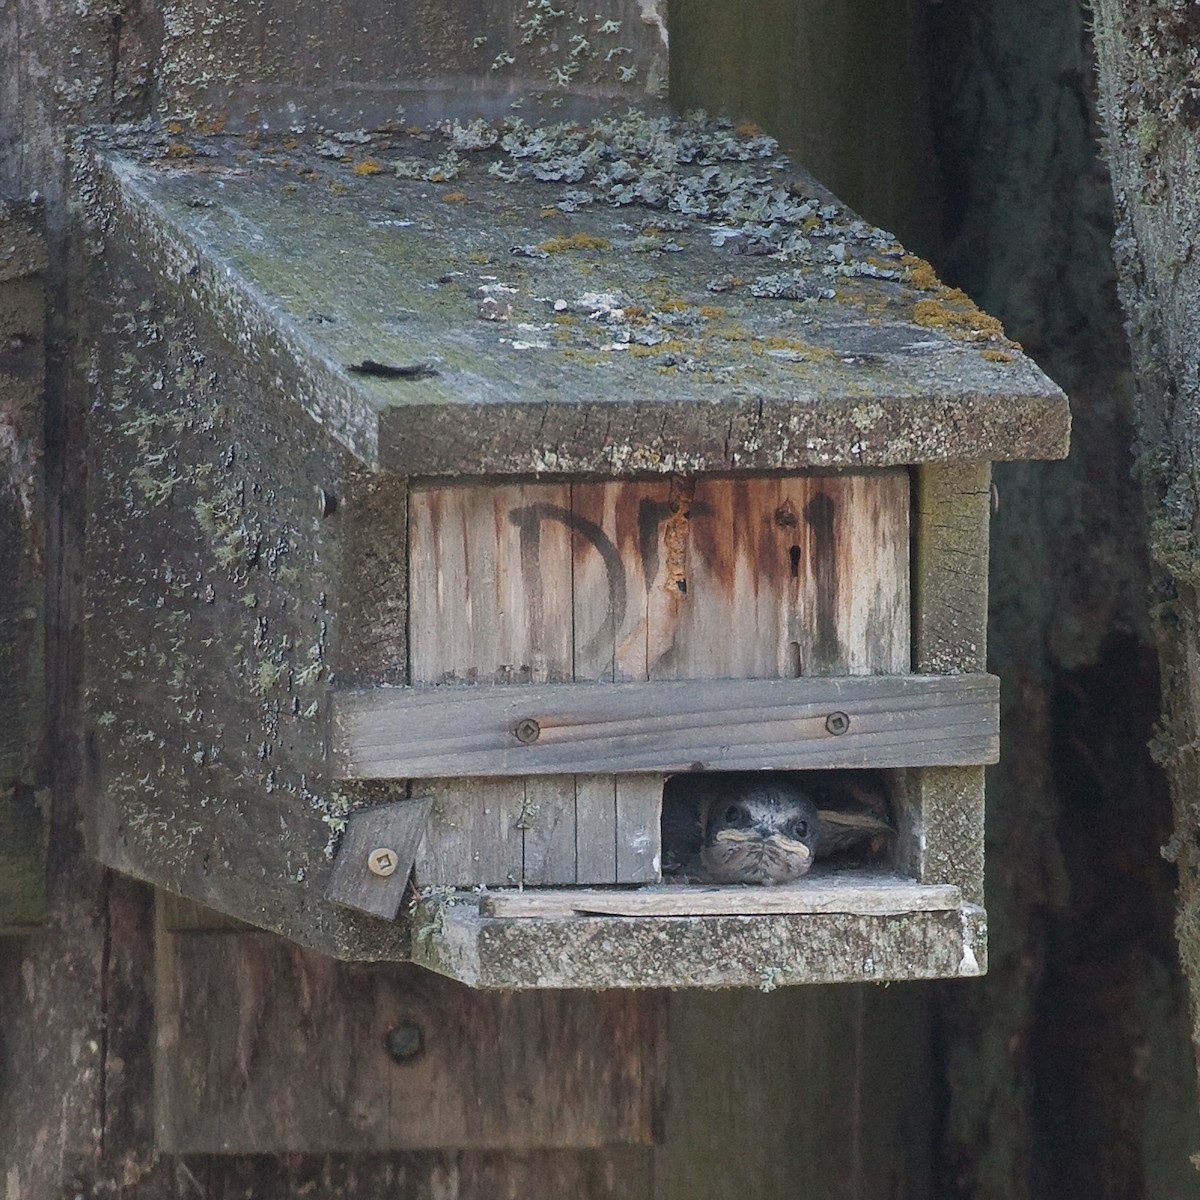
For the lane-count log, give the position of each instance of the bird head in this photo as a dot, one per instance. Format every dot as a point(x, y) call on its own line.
point(758, 832)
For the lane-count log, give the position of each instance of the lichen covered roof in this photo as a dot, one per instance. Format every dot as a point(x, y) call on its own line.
point(631, 295)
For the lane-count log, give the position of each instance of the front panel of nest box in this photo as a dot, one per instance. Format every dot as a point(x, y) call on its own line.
point(666, 579)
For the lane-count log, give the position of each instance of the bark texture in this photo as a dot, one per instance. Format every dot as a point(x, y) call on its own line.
point(1149, 89)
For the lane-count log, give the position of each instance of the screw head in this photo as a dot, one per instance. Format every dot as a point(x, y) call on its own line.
point(527, 731)
point(837, 723)
point(382, 862)
point(404, 1042)
point(327, 502)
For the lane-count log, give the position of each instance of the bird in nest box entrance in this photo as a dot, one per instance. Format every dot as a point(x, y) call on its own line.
point(766, 827)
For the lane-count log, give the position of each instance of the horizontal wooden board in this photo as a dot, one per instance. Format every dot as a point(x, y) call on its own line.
point(702, 951)
point(841, 892)
point(743, 724)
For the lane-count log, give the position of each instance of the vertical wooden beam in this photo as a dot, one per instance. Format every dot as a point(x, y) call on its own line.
point(22, 369)
point(950, 561)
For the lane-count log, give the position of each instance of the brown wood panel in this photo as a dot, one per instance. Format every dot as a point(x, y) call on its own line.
point(779, 577)
point(266, 1048)
point(731, 724)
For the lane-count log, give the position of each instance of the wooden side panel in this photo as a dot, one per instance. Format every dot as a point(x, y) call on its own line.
point(266, 1048)
point(952, 518)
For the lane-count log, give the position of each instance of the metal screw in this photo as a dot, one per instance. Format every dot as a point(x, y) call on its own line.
point(404, 1042)
point(327, 503)
point(837, 723)
point(382, 862)
point(527, 731)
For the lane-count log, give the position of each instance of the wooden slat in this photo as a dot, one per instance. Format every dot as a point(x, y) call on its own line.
point(857, 892)
point(639, 834)
point(595, 828)
point(725, 725)
point(396, 827)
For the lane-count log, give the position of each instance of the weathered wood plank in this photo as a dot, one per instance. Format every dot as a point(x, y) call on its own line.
point(740, 724)
point(806, 575)
point(549, 830)
point(22, 550)
point(768, 949)
point(474, 833)
point(951, 518)
point(852, 892)
point(393, 833)
point(490, 586)
point(265, 1048)
point(639, 832)
point(951, 531)
point(595, 828)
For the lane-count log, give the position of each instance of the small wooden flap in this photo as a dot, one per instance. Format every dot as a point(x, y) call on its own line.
point(376, 857)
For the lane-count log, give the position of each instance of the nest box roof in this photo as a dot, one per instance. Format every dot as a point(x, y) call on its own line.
point(633, 295)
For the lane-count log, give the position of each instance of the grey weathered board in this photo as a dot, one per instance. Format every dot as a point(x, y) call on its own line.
point(267, 1048)
point(528, 583)
point(867, 893)
point(734, 724)
point(396, 829)
point(713, 950)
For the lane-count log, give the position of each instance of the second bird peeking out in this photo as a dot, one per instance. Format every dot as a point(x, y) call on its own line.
point(767, 827)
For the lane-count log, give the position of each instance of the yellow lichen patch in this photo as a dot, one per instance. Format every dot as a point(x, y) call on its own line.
point(175, 127)
point(577, 241)
point(368, 166)
point(791, 346)
point(549, 212)
point(711, 311)
point(454, 198)
point(748, 129)
point(480, 258)
point(340, 188)
point(213, 123)
point(936, 314)
point(920, 274)
point(996, 356)
point(179, 150)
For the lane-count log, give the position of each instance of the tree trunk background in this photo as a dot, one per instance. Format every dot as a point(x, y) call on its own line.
point(970, 128)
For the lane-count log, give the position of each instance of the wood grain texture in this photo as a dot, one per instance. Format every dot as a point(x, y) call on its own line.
point(265, 1048)
point(952, 522)
point(397, 828)
point(490, 572)
point(733, 724)
point(868, 893)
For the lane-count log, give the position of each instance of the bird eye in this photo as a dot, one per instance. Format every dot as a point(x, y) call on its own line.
point(801, 828)
point(732, 815)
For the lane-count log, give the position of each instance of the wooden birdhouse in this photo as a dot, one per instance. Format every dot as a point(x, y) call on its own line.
point(457, 490)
